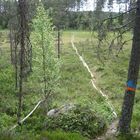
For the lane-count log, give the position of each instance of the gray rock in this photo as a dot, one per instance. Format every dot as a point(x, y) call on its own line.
point(61, 110)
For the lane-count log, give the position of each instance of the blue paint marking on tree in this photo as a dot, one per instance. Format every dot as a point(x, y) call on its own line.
point(131, 87)
point(131, 84)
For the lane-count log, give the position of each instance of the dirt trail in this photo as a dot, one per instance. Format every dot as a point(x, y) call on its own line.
point(110, 133)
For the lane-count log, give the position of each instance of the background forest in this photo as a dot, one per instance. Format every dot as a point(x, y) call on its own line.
point(64, 71)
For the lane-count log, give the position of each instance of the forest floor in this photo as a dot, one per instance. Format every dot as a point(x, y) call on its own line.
point(112, 128)
point(110, 74)
point(93, 79)
point(75, 82)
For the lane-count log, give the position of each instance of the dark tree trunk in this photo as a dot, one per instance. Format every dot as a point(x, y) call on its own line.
point(127, 108)
point(22, 7)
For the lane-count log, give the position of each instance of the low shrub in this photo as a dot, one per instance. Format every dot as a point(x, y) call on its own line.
point(81, 120)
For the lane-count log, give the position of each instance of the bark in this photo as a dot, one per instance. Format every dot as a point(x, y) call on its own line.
point(22, 5)
point(127, 108)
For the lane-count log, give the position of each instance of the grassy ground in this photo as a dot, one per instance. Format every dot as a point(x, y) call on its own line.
point(111, 76)
point(54, 135)
point(76, 86)
point(75, 83)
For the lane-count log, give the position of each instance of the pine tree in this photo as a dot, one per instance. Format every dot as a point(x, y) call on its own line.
point(133, 71)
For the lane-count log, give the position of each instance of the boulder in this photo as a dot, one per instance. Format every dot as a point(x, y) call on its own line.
point(61, 110)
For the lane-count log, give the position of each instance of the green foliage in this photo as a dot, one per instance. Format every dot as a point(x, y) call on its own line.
point(17, 136)
point(7, 96)
point(81, 120)
point(5, 120)
point(45, 135)
point(6, 136)
point(61, 135)
point(75, 87)
point(6, 79)
point(0, 27)
point(45, 63)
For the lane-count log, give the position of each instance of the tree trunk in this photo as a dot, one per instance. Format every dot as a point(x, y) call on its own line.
point(22, 5)
point(127, 108)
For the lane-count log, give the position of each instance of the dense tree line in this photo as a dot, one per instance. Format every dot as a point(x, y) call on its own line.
point(59, 10)
point(64, 14)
